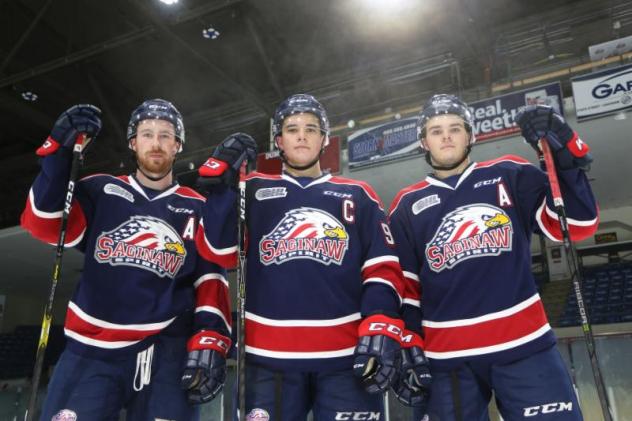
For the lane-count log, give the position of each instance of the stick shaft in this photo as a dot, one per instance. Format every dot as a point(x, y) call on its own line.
point(48, 311)
point(573, 262)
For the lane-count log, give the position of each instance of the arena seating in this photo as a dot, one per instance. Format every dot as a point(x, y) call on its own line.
point(18, 348)
point(607, 292)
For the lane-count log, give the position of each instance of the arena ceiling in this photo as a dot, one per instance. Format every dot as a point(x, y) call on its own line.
point(360, 57)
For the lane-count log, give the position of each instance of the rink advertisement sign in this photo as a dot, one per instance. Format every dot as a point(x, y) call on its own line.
point(603, 93)
point(382, 143)
point(494, 117)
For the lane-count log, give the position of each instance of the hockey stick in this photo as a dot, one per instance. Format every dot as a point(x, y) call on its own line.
point(573, 262)
point(241, 293)
point(48, 312)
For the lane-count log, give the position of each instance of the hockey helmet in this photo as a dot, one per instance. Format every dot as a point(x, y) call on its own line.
point(300, 103)
point(157, 109)
point(445, 104)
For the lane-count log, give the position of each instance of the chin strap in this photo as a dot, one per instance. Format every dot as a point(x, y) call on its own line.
point(302, 167)
point(428, 157)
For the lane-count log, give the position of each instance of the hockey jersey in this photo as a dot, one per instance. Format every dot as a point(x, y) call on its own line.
point(464, 248)
point(320, 257)
point(142, 273)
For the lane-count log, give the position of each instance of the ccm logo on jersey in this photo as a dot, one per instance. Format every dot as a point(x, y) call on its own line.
point(270, 193)
point(489, 182)
point(357, 416)
point(119, 191)
point(548, 408)
point(179, 210)
point(338, 194)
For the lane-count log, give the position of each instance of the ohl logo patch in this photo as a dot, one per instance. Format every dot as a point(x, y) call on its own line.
point(145, 242)
point(468, 232)
point(305, 233)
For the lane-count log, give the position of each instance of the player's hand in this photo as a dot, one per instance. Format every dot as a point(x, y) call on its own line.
point(205, 370)
point(82, 118)
point(412, 384)
point(377, 355)
point(540, 121)
point(224, 164)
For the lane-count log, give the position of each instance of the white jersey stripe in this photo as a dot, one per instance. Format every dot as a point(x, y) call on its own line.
point(379, 259)
point(96, 342)
point(299, 355)
point(303, 323)
point(107, 325)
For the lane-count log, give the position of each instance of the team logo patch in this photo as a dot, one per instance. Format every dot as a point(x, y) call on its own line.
point(468, 232)
point(270, 193)
point(119, 191)
point(305, 233)
point(145, 242)
point(258, 414)
point(65, 415)
point(425, 202)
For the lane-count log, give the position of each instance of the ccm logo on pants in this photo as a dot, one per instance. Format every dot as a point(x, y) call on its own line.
point(548, 408)
point(357, 416)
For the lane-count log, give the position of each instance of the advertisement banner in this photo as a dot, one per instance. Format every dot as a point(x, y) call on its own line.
point(603, 93)
point(382, 143)
point(494, 117)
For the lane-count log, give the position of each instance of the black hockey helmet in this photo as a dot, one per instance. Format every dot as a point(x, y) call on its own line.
point(445, 104)
point(158, 109)
point(300, 103)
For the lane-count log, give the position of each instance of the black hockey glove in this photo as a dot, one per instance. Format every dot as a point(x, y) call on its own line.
point(205, 370)
point(539, 121)
point(377, 355)
point(412, 384)
point(82, 118)
point(224, 164)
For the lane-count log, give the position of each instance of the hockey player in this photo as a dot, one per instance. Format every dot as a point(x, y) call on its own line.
point(324, 284)
point(463, 237)
point(144, 294)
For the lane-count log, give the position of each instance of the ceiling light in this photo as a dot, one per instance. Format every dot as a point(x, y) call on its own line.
point(351, 124)
point(398, 116)
point(169, 2)
point(29, 96)
point(210, 33)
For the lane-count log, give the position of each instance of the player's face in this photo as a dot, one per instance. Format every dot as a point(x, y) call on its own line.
point(155, 145)
point(446, 139)
point(301, 138)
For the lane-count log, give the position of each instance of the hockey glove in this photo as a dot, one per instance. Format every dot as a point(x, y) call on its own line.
point(82, 118)
point(412, 384)
point(377, 355)
point(205, 370)
point(539, 121)
point(224, 164)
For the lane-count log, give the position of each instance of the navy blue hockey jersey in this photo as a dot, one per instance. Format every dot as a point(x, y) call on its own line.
point(319, 258)
point(142, 273)
point(465, 252)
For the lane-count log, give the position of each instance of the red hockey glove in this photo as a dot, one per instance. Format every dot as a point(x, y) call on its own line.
point(83, 118)
point(205, 370)
point(540, 121)
point(377, 355)
point(412, 384)
point(223, 165)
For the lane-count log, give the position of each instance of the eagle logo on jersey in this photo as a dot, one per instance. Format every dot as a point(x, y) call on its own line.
point(145, 242)
point(305, 233)
point(468, 232)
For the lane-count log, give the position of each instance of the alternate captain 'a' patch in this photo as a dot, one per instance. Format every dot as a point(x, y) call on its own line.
point(467, 232)
point(145, 242)
point(305, 233)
